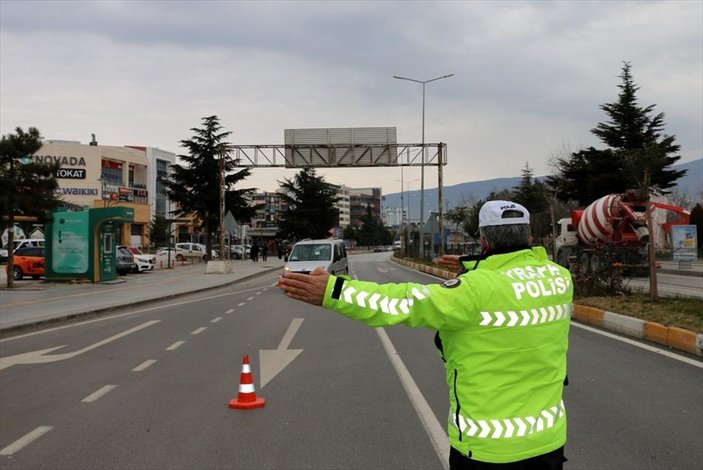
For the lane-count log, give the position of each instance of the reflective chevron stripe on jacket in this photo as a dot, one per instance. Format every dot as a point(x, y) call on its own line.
point(505, 428)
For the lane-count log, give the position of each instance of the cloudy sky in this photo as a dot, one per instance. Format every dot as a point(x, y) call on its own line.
point(528, 76)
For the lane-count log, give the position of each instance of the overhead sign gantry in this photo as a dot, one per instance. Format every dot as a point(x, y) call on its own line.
point(359, 147)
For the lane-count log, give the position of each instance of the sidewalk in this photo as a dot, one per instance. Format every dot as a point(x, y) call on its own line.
point(32, 302)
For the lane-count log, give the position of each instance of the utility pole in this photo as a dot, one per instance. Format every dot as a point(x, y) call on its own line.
point(222, 201)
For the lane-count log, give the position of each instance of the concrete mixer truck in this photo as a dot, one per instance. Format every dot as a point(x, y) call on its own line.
point(611, 231)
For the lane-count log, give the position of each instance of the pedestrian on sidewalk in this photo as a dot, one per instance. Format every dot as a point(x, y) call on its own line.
point(502, 331)
point(264, 251)
point(255, 253)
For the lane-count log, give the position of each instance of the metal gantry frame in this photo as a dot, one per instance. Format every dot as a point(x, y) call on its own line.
point(348, 156)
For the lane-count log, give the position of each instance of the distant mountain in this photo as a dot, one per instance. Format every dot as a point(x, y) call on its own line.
point(690, 185)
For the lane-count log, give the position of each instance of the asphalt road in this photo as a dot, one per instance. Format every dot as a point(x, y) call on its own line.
point(670, 285)
point(148, 389)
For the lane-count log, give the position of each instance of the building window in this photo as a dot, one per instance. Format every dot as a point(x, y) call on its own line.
point(112, 172)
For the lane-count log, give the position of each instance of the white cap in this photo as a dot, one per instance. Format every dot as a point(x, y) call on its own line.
point(502, 213)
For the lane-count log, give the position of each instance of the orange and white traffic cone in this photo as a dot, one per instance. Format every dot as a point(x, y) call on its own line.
point(246, 399)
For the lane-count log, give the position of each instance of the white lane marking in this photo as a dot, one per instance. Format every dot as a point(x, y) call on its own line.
point(230, 310)
point(26, 440)
point(434, 430)
point(215, 320)
point(133, 312)
point(175, 346)
point(654, 349)
point(144, 365)
point(251, 298)
point(99, 393)
point(258, 293)
point(198, 331)
point(241, 304)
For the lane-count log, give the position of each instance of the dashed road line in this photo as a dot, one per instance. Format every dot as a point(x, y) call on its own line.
point(144, 365)
point(240, 304)
point(175, 345)
point(99, 393)
point(231, 310)
point(198, 331)
point(25, 440)
point(258, 293)
point(251, 298)
point(215, 320)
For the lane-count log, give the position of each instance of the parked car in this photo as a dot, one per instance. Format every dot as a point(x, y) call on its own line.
point(308, 254)
point(20, 243)
point(28, 261)
point(192, 251)
point(143, 262)
point(164, 251)
point(125, 260)
point(238, 251)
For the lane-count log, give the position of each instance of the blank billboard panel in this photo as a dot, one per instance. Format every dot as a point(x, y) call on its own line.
point(349, 146)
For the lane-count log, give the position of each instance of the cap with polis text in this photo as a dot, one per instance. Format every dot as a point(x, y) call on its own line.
point(502, 213)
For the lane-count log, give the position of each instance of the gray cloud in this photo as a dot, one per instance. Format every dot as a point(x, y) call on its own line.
point(529, 76)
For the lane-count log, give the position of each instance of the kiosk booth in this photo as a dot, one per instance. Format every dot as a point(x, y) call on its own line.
point(81, 244)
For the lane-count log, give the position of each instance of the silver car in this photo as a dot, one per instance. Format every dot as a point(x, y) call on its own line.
point(307, 255)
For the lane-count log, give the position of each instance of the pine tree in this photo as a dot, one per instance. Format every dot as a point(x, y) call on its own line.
point(638, 154)
point(25, 188)
point(195, 186)
point(311, 206)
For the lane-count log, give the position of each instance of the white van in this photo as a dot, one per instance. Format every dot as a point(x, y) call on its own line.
point(309, 254)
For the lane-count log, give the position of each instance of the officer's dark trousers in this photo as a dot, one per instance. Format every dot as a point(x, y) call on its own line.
point(551, 461)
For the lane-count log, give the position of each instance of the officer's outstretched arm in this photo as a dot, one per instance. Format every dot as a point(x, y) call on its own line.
point(309, 288)
point(450, 305)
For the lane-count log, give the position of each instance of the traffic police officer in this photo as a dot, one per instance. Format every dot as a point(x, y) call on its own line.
point(502, 330)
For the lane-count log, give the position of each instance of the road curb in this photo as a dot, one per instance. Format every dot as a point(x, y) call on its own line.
point(671, 336)
point(31, 325)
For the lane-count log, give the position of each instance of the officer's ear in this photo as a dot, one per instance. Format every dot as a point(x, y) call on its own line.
point(484, 244)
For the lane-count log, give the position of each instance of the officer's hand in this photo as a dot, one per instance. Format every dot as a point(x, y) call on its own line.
point(451, 262)
point(309, 288)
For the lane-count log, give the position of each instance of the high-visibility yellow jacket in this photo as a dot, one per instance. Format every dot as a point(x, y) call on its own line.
point(503, 333)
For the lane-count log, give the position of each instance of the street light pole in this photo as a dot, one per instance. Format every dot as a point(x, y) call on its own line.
point(422, 163)
point(222, 202)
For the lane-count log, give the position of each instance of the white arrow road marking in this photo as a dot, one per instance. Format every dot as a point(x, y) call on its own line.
point(25, 440)
point(41, 356)
point(373, 301)
point(361, 298)
point(273, 361)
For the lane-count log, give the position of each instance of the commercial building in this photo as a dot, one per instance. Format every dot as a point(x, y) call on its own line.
point(363, 200)
point(92, 175)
